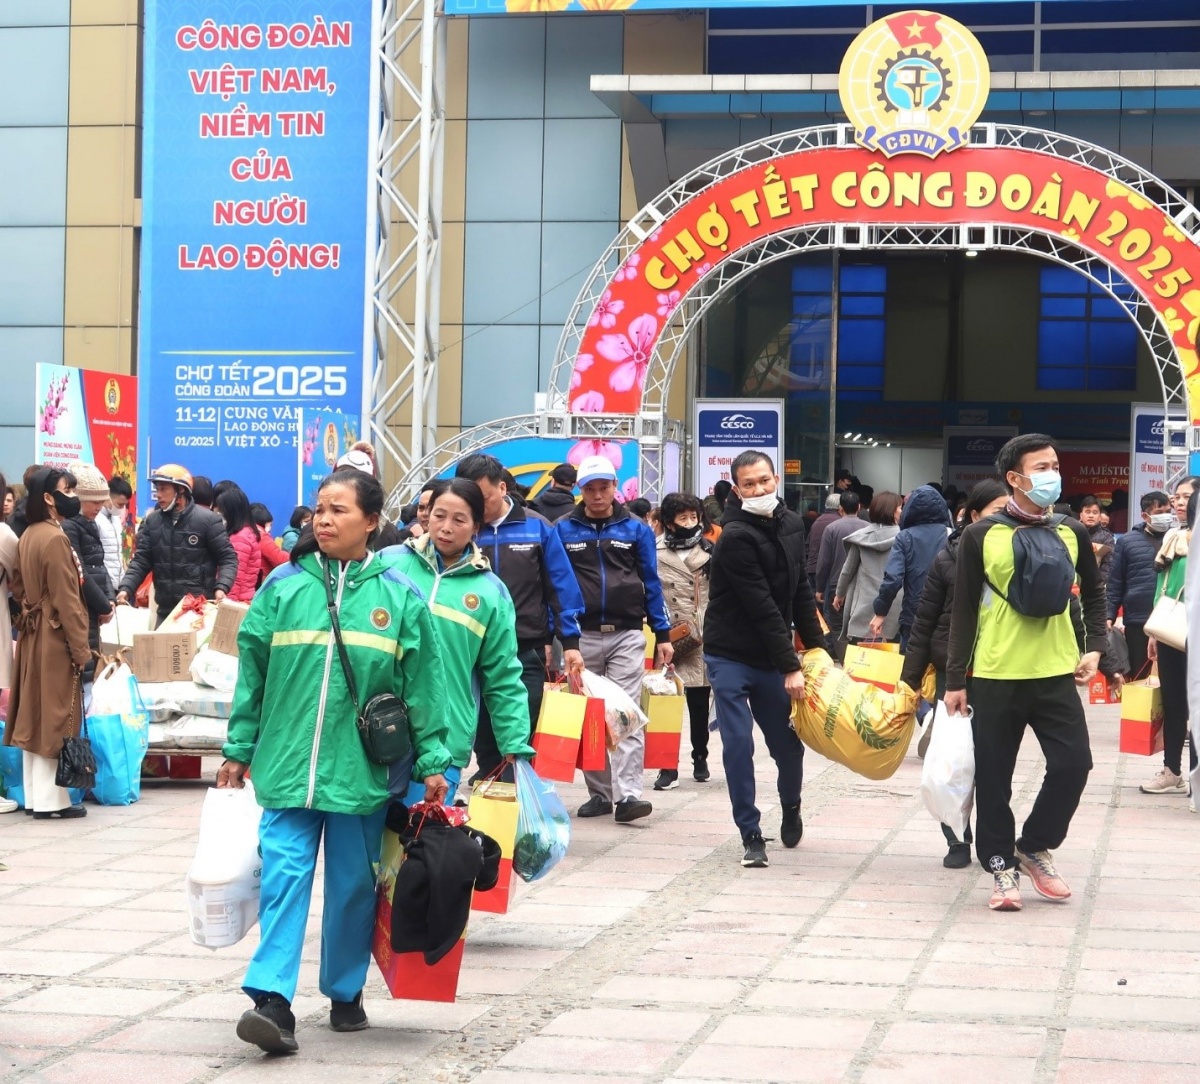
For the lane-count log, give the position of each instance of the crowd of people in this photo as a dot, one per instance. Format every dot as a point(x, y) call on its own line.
point(482, 592)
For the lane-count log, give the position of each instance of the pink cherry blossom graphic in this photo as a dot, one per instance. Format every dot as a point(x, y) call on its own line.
point(631, 352)
point(667, 303)
point(582, 364)
point(703, 270)
point(590, 402)
point(629, 269)
point(584, 448)
point(630, 490)
point(606, 312)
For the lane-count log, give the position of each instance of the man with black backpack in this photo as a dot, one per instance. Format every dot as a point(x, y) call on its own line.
point(1011, 629)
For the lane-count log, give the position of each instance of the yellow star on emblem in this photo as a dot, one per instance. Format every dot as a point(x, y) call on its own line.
point(915, 29)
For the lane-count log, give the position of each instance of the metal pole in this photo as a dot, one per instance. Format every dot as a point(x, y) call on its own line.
point(835, 311)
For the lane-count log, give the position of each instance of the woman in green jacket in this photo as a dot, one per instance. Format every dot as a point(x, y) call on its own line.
point(475, 623)
point(294, 723)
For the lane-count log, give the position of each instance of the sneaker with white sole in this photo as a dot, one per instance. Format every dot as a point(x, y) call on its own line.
point(1006, 896)
point(1166, 782)
point(1039, 867)
point(7, 805)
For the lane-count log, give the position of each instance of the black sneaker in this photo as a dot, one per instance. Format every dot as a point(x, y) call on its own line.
point(667, 780)
point(595, 806)
point(791, 830)
point(700, 771)
point(958, 857)
point(632, 809)
point(69, 813)
point(270, 1025)
point(756, 851)
point(348, 1015)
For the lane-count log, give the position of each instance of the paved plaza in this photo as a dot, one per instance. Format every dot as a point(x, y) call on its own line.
point(650, 955)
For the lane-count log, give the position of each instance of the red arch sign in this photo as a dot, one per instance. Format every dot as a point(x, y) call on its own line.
point(852, 186)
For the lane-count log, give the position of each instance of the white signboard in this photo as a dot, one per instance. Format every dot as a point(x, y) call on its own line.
point(724, 428)
point(970, 453)
point(1147, 464)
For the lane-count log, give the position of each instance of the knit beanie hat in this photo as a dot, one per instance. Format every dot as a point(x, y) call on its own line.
point(90, 484)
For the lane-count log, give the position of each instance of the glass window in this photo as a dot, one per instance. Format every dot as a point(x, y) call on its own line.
point(1086, 340)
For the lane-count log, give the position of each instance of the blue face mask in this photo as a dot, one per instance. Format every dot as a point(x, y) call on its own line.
point(1045, 487)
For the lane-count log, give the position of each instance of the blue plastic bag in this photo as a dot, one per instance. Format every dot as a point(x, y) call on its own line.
point(543, 825)
point(13, 780)
point(119, 729)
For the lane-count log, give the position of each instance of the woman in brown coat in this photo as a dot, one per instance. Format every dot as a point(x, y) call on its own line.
point(683, 556)
point(45, 704)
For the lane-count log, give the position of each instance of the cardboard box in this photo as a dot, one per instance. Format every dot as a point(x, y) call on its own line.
point(225, 631)
point(163, 656)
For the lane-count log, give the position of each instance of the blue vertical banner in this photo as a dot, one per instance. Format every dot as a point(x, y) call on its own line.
point(257, 230)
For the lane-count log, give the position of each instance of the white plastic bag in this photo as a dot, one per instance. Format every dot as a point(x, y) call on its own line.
point(214, 669)
point(225, 878)
point(948, 773)
point(115, 692)
point(621, 712)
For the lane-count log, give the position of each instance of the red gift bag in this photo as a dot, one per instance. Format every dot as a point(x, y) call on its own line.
point(593, 743)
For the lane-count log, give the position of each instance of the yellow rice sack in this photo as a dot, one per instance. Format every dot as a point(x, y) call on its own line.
point(853, 723)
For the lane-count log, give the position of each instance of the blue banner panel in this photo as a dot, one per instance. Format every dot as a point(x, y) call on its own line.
point(255, 231)
point(543, 7)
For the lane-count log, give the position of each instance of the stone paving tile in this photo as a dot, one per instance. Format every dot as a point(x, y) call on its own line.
point(961, 1002)
point(705, 965)
point(947, 1037)
point(763, 1063)
point(659, 989)
point(72, 940)
point(170, 968)
point(624, 1055)
point(48, 963)
point(528, 1076)
point(798, 1032)
point(642, 1024)
point(305, 1070)
point(1134, 1010)
point(97, 1067)
point(921, 1068)
point(39, 1029)
point(823, 995)
point(90, 1000)
point(1073, 1071)
point(828, 969)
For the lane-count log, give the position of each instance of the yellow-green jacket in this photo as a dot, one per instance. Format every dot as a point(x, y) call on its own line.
point(476, 627)
point(292, 719)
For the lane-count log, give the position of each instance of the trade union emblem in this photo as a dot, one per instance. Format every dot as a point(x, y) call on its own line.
point(914, 83)
point(381, 618)
point(471, 602)
point(112, 396)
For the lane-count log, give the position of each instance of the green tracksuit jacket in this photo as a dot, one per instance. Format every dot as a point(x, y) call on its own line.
point(292, 719)
point(476, 627)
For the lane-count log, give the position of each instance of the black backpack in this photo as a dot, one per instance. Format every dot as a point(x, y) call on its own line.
point(1043, 572)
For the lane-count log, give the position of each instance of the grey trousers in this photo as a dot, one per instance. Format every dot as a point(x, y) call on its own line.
point(620, 657)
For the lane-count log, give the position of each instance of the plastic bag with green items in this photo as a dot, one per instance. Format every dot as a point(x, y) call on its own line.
point(543, 825)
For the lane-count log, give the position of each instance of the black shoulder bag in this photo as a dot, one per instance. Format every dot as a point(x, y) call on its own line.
point(383, 723)
point(76, 760)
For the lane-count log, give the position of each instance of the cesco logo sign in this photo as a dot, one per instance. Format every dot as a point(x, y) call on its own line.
point(737, 421)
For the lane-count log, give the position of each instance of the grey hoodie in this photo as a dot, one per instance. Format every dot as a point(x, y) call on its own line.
point(866, 558)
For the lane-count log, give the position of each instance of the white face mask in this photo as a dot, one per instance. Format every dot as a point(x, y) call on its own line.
point(1161, 522)
point(762, 505)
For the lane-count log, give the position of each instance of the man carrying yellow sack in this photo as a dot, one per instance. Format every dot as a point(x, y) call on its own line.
point(1011, 627)
point(759, 591)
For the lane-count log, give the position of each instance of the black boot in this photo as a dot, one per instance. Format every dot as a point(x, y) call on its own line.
point(700, 771)
point(270, 1025)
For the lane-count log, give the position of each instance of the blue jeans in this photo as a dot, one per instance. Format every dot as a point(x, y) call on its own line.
point(746, 694)
point(288, 839)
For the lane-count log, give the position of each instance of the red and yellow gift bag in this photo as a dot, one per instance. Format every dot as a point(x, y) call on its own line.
point(559, 729)
point(492, 810)
point(595, 742)
point(1142, 717)
point(665, 713)
point(1102, 690)
point(408, 976)
point(878, 664)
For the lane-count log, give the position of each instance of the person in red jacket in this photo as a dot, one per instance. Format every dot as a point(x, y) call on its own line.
point(234, 508)
point(272, 555)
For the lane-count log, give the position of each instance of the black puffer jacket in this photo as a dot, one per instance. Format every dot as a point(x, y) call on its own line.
point(758, 590)
point(84, 536)
point(1132, 576)
point(187, 550)
point(929, 638)
point(553, 503)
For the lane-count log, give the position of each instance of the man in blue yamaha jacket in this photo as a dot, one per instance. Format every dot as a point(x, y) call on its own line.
point(616, 564)
point(525, 552)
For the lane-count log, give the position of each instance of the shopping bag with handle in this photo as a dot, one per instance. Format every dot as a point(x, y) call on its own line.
point(119, 728)
point(664, 704)
point(875, 663)
point(1142, 717)
point(948, 771)
point(556, 738)
point(492, 809)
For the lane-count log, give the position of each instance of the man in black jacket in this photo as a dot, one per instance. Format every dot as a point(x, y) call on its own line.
point(88, 486)
point(758, 592)
point(1132, 576)
point(185, 546)
point(559, 499)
